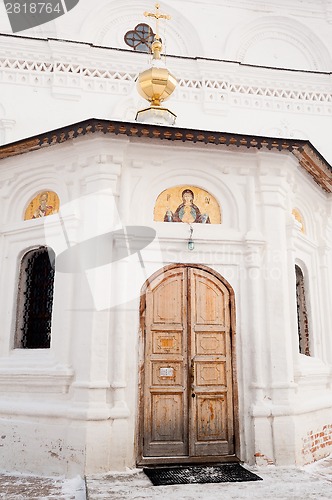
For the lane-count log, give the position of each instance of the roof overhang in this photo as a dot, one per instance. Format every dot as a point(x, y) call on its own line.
point(308, 157)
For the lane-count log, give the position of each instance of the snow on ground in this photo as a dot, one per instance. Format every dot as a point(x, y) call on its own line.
point(22, 487)
point(312, 482)
point(283, 483)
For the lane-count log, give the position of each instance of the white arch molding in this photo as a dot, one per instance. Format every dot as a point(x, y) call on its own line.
point(108, 25)
point(28, 186)
point(308, 210)
point(280, 42)
point(224, 191)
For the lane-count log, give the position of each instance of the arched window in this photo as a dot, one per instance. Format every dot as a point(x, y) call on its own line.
point(35, 299)
point(302, 313)
point(140, 38)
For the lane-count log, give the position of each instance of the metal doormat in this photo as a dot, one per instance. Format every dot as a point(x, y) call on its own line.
point(224, 473)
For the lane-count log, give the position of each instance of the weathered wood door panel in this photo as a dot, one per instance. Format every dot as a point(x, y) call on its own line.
point(165, 395)
point(211, 411)
point(187, 384)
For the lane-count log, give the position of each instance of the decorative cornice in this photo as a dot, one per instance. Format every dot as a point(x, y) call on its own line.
point(75, 68)
point(315, 165)
point(307, 155)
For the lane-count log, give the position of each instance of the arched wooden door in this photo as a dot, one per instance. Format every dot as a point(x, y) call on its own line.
point(187, 384)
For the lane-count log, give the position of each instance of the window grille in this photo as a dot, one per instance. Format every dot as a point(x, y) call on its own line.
point(35, 299)
point(302, 313)
point(140, 38)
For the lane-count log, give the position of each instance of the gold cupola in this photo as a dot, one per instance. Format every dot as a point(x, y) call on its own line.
point(157, 83)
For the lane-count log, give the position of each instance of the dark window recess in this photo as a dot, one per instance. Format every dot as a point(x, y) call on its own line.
point(37, 280)
point(302, 313)
point(140, 38)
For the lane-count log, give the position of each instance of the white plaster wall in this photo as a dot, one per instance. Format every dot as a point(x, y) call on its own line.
point(80, 409)
point(85, 387)
point(57, 83)
point(49, 83)
point(215, 29)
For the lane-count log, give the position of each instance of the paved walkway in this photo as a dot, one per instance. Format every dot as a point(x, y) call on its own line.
point(313, 482)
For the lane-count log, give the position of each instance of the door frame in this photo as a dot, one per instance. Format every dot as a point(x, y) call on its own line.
point(140, 459)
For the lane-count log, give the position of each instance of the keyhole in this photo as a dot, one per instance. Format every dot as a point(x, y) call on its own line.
point(193, 395)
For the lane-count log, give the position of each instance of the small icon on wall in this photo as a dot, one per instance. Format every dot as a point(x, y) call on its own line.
point(25, 14)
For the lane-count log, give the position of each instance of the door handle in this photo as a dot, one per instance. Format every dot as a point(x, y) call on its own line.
point(192, 371)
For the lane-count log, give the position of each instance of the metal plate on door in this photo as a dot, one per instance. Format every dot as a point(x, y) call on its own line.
point(166, 372)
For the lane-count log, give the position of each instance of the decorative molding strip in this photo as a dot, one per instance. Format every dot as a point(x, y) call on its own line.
point(222, 91)
point(307, 155)
point(42, 381)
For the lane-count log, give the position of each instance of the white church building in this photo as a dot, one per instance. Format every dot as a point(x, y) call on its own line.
point(165, 288)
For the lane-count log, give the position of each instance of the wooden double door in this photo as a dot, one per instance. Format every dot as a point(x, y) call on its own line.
point(187, 400)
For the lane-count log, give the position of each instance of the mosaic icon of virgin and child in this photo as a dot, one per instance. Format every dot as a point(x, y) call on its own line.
point(187, 212)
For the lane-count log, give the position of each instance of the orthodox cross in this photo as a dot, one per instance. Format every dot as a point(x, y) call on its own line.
point(157, 16)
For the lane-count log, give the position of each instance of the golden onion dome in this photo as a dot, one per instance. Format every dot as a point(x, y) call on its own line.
point(157, 83)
